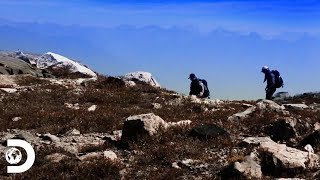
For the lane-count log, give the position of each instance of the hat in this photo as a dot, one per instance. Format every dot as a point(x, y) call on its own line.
point(264, 68)
point(192, 76)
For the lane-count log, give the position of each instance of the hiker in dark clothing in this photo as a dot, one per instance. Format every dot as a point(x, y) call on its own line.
point(198, 87)
point(271, 84)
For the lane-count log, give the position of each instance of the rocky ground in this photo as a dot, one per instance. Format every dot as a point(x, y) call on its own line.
point(106, 128)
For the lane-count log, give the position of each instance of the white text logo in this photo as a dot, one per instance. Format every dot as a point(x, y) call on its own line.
point(14, 156)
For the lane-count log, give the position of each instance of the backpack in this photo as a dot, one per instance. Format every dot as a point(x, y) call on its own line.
point(278, 79)
point(206, 91)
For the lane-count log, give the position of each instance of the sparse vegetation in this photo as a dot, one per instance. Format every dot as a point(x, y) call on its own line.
point(43, 110)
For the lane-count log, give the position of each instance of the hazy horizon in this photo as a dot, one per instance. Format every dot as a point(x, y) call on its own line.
point(224, 42)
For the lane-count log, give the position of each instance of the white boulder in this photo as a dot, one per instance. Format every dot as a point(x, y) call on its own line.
point(9, 90)
point(250, 167)
point(143, 77)
point(53, 59)
point(92, 108)
point(271, 105)
point(110, 155)
point(142, 124)
point(296, 106)
point(242, 115)
point(285, 158)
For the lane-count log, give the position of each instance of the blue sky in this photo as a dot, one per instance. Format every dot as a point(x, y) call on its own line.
point(225, 42)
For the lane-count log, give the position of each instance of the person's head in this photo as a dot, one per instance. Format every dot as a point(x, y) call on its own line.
point(192, 77)
point(265, 69)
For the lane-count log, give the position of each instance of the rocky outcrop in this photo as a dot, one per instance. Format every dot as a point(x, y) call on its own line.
point(268, 105)
point(279, 160)
point(13, 66)
point(296, 106)
point(141, 76)
point(52, 59)
point(242, 115)
point(248, 169)
point(144, 124)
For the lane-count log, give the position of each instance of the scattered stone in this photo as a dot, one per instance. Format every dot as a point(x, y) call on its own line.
point(296, 106)
point(175, 165)
point(130, 83)
point(156, 105)
point(9, 90)
point(190, 164)
point(72, 106)
point(27, 136)
point(210, 102)
point(279, 160)
point(248, 169)
point(312, 139)
point(73, 132)
point(254, 141)
point(16, 119)
point(142, 125)
point(117, 134)
point(180, 123)
point(268, 105)
point(50, 137)
point(245, 105)
point(92, 108)
point(315, 106)
point(110, 155)
point(178, 101)
point(90, 156)
point(242, 115)
point(56, 157)
point(208, 131)
point(8, 80)
point(309, 148)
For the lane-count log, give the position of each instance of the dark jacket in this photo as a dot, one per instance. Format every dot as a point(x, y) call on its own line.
point(196, 88)
point(270, 78)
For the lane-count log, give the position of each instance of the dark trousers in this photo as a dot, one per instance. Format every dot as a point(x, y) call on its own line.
point(270, 92)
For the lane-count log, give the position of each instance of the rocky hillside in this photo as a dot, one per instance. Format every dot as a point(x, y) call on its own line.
point(108, 128)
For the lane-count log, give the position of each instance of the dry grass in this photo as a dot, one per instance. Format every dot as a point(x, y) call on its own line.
point(66, 72)
point(43, 110)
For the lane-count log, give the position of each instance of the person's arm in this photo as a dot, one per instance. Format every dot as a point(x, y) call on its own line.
point(202, 89)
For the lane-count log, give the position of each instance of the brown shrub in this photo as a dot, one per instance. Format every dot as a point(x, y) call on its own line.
point(65, 72)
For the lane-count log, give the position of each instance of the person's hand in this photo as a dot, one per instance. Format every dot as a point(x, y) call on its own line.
point(266, 89)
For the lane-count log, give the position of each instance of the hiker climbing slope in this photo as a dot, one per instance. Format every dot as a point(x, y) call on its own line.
point(274, 81)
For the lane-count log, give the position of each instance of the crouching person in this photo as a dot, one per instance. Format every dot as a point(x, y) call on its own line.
point(199, 87)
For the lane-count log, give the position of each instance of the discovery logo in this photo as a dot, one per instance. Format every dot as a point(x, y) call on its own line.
point(14, 156)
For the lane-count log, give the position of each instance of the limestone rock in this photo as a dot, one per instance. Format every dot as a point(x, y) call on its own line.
point(141, 125)
point(242, 115)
